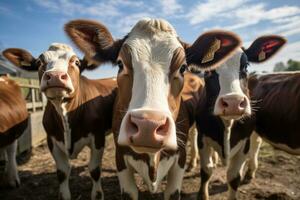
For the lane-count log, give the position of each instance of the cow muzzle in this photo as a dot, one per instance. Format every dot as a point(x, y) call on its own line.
point(148, 131)
point(232, 106)
point(56, 84)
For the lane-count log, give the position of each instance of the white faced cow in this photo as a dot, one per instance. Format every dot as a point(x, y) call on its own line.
point(224, 118)
point(150, 123)
point(78, 112)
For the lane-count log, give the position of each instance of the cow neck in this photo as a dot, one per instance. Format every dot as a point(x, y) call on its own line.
point(228, 124)
point(61, 109)
point(226, 138)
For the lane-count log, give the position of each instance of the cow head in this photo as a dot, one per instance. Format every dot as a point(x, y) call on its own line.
point(227, 85)
point(58, 68)
point(151, 61)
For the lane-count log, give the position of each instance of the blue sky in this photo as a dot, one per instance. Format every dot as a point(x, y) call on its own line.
point(35, 24)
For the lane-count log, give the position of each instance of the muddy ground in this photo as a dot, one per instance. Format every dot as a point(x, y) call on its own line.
point(278, 177)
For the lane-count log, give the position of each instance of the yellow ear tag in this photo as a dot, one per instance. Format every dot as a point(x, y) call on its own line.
point(209, 56)
point(261, 56)
point(24, 63)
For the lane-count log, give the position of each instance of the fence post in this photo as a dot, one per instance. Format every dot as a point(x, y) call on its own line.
point(32, 96)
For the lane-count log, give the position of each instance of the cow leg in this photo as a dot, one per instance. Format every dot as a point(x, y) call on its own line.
point(174, 182)
point(193, 138)
point(129, 190)
point(95, 172)
point(255, 144)
point(63, 169)
point(215, 158)
point(11, 166)
point(207, 166)
point(234, 172)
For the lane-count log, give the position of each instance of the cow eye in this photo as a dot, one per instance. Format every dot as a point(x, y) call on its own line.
point(77, 63)
point(182, 68)
point(38, 62)
point(120, 65)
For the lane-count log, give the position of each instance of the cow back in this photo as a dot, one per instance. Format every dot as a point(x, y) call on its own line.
point(13, 115)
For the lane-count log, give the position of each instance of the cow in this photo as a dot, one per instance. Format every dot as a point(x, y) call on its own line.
point(150, 123)
point(224, 115)
point(13, 123)
point(277, 99)
point(78, 112)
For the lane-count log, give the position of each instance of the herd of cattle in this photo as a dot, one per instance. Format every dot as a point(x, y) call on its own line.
point(152, 105)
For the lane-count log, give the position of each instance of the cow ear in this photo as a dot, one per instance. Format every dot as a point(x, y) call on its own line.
point(264, 48)
point(93, 39)
point(20, 58)
point(211, 49)
point(87, 64)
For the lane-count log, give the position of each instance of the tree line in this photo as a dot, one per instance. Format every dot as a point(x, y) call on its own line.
point(291, 65)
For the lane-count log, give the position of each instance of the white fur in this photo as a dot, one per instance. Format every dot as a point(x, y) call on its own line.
point(143, 170)
point(151, 54)
point(62, 111)
point(229, 80)
point(62, 164)
point(127, 182)
point(57, 58)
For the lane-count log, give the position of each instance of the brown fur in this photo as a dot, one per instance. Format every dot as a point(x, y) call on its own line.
point(278, 115)
point(13, 111)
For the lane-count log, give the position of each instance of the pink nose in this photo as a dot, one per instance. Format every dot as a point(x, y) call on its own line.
point(233, 105)
point(148, 129)
point(56, 79)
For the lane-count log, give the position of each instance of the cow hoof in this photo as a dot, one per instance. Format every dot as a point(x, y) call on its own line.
point(247, 179)
point(98, 196)
point(12, 182)
point(61, 197)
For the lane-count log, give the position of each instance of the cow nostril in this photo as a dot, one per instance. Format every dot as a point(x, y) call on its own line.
point(163, 129)
point(243, 104)
point(47, 77)
point(132, 127)
point(224, 103)
point(64, 77)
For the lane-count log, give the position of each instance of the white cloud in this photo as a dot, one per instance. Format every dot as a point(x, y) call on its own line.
point(238, 14)
point(125, 24)
point(4, 10)
point(170, 7)
point(67, 7)
point(211, 9)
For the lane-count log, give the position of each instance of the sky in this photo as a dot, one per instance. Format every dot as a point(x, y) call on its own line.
point(35, 24)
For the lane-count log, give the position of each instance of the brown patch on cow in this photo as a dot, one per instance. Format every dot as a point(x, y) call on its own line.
point(12, 104)
point(89, 111)
point(13, 115)
point(192, 94)
point(125, 83)
point(277, 97)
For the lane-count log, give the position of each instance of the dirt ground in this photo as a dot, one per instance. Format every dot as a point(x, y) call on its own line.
point(278, 177)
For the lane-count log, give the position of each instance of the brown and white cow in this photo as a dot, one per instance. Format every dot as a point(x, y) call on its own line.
point(13, 122)
point(78, 112)
point(224, 118)
point(150, 123)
